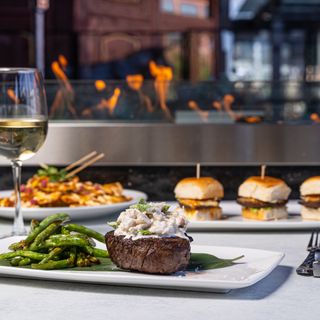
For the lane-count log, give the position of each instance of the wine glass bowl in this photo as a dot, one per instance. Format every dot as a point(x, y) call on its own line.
point(23, 124)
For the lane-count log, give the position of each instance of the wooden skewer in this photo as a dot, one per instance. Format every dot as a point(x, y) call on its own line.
point(86, 157)
point(86, 164)
point(263, 171)
point(198, 170)
point(43, 166)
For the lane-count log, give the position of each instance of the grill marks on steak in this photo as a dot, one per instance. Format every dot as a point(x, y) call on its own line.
point(149, 255)
point(255, 203)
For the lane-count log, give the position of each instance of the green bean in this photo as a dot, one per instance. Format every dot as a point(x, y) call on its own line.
point(60, 264)
point(80, 262)
point(53, 253)
point(27, 254)
point(96, 252)
point(94, 260)
point(34, 223)
point(25, 262)
point(87, 231)
point(90, 241)
point(73, 254)
point(65, 242)
point(44, 224)
point(64, 231)
point(86, 260)
point(15, 261)
point(21, 245)
point(44, 235)
point(62, 237)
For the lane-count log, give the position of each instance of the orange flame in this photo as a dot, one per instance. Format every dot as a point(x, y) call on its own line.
point(228, 100)
point(58, 72)
point(153, 68)
point(315, 117)
point(163, 75)
point(135, 81)
point(65, 96)
point(195, 107)
point(63, 61)
point(11, 94)
point(252, 119)
point(100, 85)
point(111, 103)
point(217, 105)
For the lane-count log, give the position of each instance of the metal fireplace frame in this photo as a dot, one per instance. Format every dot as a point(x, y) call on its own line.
point(181, 144)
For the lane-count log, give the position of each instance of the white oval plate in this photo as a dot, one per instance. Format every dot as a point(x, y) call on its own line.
point(75, 213)
point(255, 266)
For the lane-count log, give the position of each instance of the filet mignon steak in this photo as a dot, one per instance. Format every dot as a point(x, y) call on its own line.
point(149, 254)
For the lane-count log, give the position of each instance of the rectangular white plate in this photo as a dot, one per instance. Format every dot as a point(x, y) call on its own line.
point(234, 221)
point(256, 265)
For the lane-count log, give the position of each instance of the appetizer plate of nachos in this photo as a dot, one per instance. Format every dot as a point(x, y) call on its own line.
point(48, 192)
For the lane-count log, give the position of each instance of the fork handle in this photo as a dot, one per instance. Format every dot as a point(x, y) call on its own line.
point(305, 269)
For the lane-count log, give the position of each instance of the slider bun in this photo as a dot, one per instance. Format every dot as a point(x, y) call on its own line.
point(264, 214)
point(310, 186)
point(202, 188)
point(310, 213)
point(268, 189)
point(203, 214)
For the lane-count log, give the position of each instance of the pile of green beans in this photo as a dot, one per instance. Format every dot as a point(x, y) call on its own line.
point(54, 244)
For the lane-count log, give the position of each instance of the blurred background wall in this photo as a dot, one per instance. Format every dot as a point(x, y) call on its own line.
point(200, 39)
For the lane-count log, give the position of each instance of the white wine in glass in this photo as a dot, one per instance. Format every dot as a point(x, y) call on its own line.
point(23, 124)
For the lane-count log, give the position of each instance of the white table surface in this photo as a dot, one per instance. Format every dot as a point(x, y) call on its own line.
point(282, 295)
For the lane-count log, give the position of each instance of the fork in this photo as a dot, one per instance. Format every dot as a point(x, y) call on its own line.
point(306, 268)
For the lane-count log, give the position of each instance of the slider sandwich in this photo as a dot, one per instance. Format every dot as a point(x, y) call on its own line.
point(263, 198)
point(200, 197)
point(310, 198)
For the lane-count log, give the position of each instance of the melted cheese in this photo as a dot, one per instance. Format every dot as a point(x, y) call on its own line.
point(191, 203)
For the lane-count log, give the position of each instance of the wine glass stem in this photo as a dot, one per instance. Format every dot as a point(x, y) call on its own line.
point(18, 224)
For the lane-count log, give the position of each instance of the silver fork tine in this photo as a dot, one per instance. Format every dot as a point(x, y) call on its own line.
point(317, 244)
point(310, 244)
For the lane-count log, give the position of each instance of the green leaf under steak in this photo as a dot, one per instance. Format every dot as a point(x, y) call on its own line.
point(205, 261)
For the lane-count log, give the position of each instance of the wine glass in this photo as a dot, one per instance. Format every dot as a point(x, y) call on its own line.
point(23, 124)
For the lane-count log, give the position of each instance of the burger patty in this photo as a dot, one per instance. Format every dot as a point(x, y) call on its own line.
point(311, 201)
point(255, 203)
point(313, 204)
point(198, 204)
